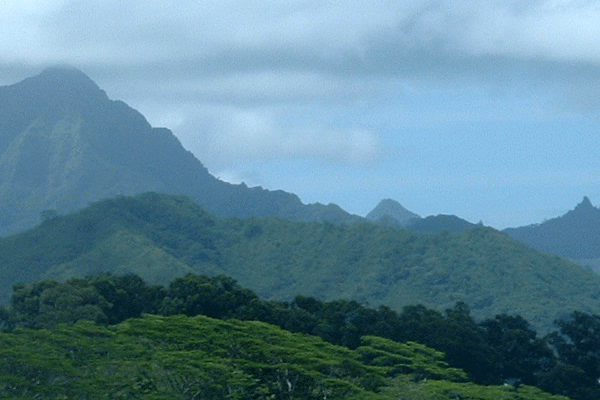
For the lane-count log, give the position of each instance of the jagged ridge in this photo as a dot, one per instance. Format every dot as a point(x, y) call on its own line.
point(574, 235)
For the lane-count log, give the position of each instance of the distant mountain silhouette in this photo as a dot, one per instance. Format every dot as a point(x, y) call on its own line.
point(574, 235)
point(390, 212)
point(64, 144)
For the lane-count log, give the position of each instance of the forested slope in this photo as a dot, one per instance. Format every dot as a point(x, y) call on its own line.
point(160, 237)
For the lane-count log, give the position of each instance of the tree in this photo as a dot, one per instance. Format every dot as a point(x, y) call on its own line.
point(128, 296)
point(522, 356)
point(216, 297)
point(48, 303)
point(578, 347)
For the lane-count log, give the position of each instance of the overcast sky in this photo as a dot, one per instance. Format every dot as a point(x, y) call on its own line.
point(489, 110)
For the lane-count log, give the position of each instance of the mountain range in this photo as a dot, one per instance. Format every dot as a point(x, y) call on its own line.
point(160, 237)
point(65, 144)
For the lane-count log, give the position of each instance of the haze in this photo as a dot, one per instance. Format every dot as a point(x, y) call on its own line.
point(487, 110)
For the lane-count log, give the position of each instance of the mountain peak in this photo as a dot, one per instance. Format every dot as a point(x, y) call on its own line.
point(64, 73)
point(585, 204)
point(389, 208)
point(60, 84)
point(64, 144)
point(574, 235)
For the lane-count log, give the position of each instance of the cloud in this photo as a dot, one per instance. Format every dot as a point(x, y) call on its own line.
point(253, 135)
point(256, 86)
point(250, 63)
point(237, 45)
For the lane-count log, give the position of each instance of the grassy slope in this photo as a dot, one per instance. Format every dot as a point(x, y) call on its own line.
point(159, 238)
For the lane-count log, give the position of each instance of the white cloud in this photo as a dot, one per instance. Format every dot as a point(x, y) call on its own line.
point(253, 135)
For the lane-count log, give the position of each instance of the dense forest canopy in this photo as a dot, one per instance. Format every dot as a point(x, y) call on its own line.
point(499, 350)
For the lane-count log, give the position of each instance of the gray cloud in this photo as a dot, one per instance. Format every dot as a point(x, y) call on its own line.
point(265, 60)
point(236, 42)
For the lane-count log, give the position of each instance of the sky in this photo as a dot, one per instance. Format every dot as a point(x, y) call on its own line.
point(489, 110)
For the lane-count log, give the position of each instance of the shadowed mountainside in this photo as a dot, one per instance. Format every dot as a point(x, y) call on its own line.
point(65, 144)
point(574, 235)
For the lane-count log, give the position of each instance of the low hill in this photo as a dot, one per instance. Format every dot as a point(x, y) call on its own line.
point(65, 144)
point(159, 237)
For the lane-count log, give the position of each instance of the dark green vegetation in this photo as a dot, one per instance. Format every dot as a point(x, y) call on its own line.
point(64, 144)
point(160, 238)
point(180, 354)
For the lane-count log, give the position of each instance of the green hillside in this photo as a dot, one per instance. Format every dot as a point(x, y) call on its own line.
point(159, 237)
point(182, 357)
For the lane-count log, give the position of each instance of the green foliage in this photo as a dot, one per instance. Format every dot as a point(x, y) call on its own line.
point(161, 238)
point(578, 347)
point(47, 303)
point(521, 355)
point(180, 357)
point(497, 350)
point(408, 358)
point(216, 297)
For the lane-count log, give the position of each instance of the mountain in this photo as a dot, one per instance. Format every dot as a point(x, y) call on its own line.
point(65, 144)
point(160, 237)
point(574, 235)
point(390, 212)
